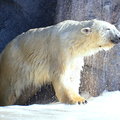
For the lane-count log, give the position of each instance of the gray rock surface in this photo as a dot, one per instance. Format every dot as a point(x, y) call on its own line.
point(17, 16)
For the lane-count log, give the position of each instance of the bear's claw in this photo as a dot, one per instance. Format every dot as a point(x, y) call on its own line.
point(85, 102)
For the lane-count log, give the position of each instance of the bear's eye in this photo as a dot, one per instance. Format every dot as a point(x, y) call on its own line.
point(108, 29)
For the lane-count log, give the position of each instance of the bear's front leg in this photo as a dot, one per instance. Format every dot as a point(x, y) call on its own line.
point(66, 93)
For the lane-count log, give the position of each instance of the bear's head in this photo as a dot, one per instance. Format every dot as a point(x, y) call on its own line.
point(100, 35)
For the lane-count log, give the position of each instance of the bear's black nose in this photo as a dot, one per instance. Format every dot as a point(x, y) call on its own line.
point(119, 38)
point(116, 39)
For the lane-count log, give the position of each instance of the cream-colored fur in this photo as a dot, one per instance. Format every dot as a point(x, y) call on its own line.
point(52, 54)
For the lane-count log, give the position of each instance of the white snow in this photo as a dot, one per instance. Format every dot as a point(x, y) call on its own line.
point(104, 107)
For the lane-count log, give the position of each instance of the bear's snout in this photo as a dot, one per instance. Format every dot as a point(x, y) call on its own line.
point(116, 39)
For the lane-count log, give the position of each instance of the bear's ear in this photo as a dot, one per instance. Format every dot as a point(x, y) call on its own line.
point(86, 30)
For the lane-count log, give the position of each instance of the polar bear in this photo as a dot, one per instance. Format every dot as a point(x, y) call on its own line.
point(54, 55)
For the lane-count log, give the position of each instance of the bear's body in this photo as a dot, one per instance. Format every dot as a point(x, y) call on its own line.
point(52, 54)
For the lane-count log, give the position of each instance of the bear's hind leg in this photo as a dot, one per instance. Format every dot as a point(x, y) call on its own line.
point(7, 98)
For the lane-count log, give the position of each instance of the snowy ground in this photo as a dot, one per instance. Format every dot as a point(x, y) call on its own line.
point(104, 107)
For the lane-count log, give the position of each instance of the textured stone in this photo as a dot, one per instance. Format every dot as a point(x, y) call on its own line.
point(17, 16)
